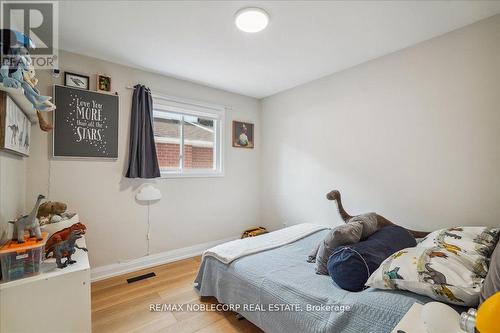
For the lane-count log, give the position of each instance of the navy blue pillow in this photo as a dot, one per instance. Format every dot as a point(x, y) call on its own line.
point(351, 266)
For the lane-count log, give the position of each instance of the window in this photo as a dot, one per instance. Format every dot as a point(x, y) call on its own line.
point(188, 137)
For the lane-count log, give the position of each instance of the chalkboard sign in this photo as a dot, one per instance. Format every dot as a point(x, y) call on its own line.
point(85, 123)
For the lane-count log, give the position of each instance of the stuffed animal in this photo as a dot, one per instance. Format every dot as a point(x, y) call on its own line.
point(357, 228)
point(50, 208)
point(17, 72)
point(372, 222)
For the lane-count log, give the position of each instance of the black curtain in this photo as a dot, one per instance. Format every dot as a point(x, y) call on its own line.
point(143, 162)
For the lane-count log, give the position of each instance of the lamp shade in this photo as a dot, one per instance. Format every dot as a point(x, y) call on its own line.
point(148, 193)
point(439, 318)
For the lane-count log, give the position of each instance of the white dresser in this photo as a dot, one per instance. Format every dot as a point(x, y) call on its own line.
point(55, 301)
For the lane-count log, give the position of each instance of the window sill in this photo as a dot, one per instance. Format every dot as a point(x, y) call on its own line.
point(215, 174)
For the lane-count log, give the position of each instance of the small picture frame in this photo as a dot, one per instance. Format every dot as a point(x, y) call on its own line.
point(74, 80)
point(243, 135)
point(103, 83)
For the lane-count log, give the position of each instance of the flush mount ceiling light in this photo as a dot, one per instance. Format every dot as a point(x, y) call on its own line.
point(251, 19)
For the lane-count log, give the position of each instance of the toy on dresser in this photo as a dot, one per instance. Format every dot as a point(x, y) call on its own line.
point(53, 212)
point(62, 235)
point(66, 248)
point(29, 222)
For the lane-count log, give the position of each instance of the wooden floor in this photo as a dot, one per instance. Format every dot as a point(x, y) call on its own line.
point(121, 307)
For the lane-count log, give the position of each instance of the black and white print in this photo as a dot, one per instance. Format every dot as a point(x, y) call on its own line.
point(17, 129)
point(76, 81)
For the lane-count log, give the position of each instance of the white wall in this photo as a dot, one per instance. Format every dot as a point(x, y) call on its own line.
point(192, 211)
point(413, 135)
point(12, 191)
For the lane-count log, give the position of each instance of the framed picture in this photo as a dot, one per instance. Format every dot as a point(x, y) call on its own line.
point(15, 126)
point(76, 81)
point(103, 83)
point(243, 135)
point(85, 124)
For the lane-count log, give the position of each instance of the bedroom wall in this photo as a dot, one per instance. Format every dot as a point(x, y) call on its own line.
point(192, 211)
point(12, 191)
point(413, 135)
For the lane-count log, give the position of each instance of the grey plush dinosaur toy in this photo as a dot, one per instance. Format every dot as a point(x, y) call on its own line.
point(357, 228)
point(379, 220)
point(66, 248)
point(29, 222)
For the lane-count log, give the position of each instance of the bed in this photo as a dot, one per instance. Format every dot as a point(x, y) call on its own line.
point(294, 298)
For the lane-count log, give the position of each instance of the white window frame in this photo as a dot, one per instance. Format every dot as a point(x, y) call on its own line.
point(168, 104)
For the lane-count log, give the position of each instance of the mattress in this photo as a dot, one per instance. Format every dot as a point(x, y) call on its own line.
point(280, 292)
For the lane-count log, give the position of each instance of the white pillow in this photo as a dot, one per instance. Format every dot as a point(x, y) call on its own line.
point(474, 241)
point(451, 277)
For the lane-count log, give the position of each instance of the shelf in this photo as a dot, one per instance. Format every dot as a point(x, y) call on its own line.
point(18, 96)
point(49, 268)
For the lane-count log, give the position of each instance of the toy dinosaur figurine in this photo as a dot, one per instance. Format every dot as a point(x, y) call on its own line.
point(381, 221)
point(29, 222)
point(17, 72)
point(66, 248)
point(62, 235)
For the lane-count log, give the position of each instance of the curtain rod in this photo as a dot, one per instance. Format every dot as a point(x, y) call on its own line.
point(186, 101)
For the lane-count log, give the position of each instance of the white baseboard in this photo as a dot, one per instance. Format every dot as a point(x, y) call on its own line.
point(104, 272)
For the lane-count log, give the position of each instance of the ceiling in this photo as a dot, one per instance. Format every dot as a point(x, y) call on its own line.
point(305, 40)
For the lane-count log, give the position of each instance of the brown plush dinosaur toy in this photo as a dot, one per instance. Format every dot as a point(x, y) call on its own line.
point(63, 235)
point(50, 208)
point(381, 221)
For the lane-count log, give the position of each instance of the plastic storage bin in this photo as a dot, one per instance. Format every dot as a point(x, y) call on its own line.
point(22, 260)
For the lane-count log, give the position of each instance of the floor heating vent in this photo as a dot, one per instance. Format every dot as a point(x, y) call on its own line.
point(141, 277)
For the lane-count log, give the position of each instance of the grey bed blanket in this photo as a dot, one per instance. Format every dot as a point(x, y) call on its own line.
point(272, 279)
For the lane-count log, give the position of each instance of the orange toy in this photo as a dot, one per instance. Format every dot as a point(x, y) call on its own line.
point(487, 315)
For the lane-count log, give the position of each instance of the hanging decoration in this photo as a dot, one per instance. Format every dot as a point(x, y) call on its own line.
point(17, 72)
